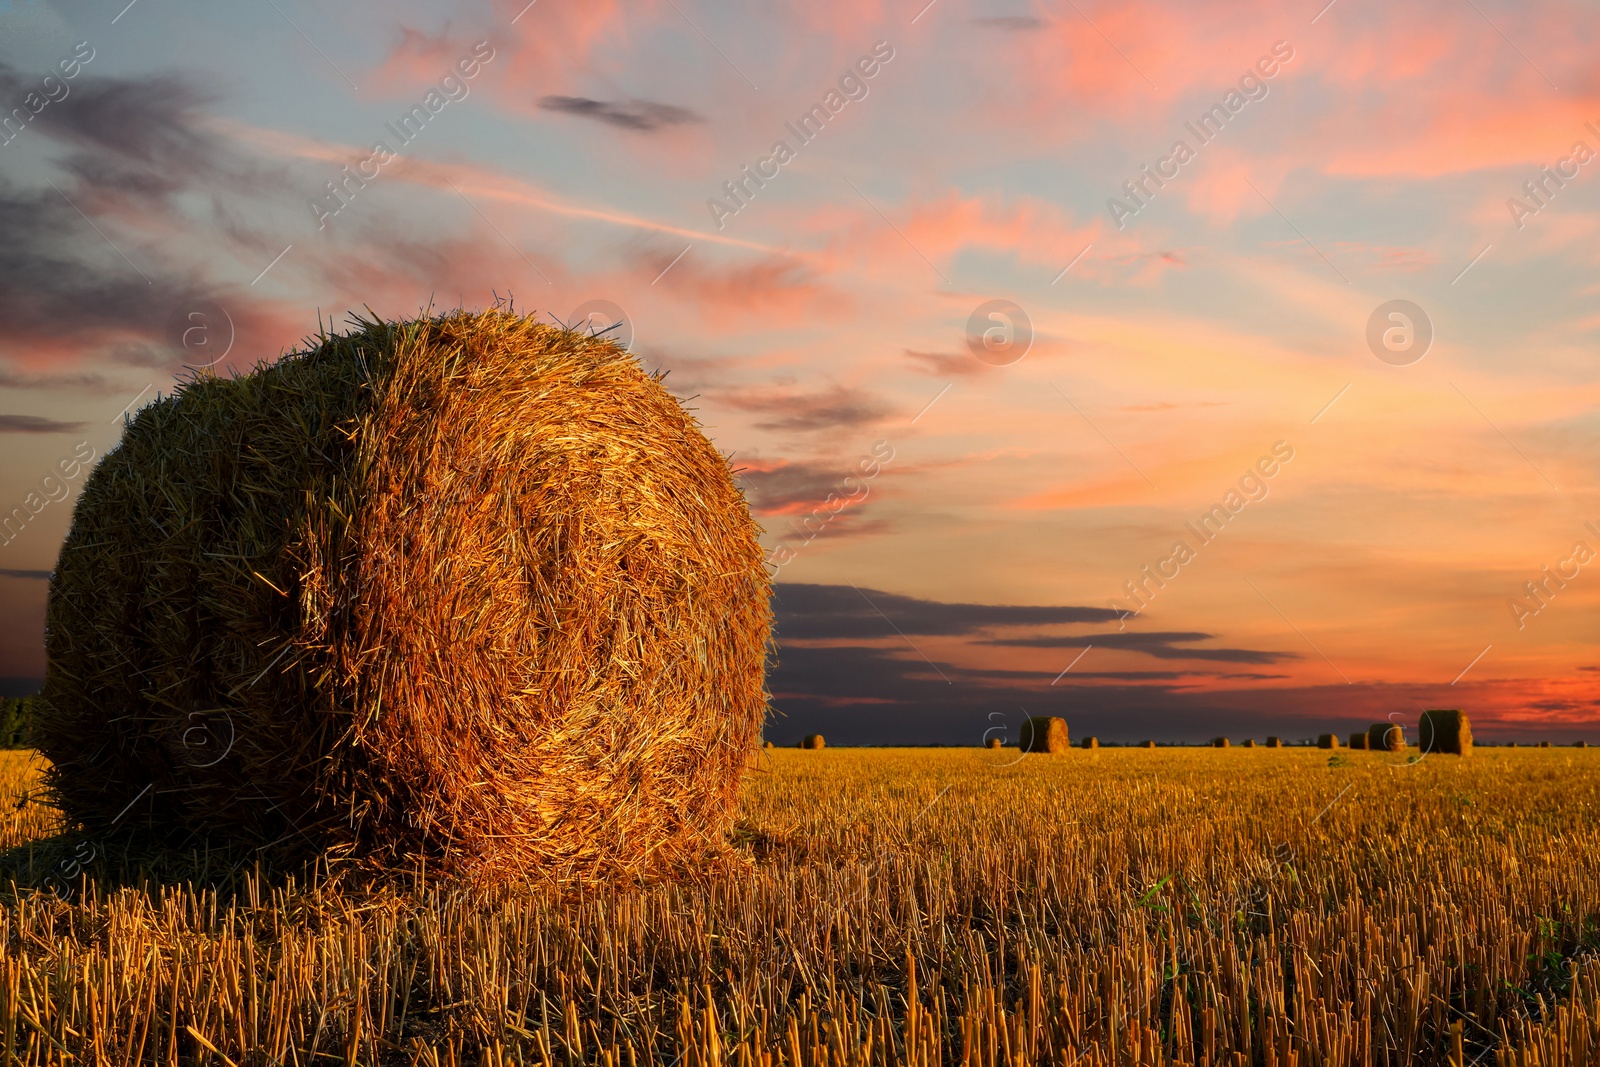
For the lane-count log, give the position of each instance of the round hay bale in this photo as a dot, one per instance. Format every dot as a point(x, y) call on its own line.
point(1386, 737)
point(16, 722)
point(1358, 740)
point(1250, 743)
point(993, 742)
point(1274, 742)
point(1328, 741)
point(1445, 730)
point(1544, 744)
point(768, 744)
point(1147, 744)
point(1513, 744)
point(469, 587)
point(1044, 733)
point(1219, 742)
point(1090, 742)
point(1580, 744)
point(813, 741)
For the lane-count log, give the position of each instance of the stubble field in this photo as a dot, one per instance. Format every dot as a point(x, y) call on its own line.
point(1176, 906)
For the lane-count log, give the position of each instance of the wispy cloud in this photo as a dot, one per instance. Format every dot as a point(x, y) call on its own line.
point(644, 116)
point(1157, 644)
point(35, 424)
point(827, 409)
point(840, 611)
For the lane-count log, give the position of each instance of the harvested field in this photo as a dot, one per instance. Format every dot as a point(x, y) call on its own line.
point(1182, 906)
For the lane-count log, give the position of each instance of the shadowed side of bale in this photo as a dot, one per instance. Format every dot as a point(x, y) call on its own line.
point(1358, 740)
point(993, 742)
point(470, 587)
point(1274, 742)
point(1090, 742)
point(1328, 741)
point(1445, 730)
point(1045, 733)
point(174, 615)
point(813, 741)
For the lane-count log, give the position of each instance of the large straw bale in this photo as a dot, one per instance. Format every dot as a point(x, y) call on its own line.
point(469, 587)
point(1219, 742)
point(813, 741)
point(1090, 742)
point(1045, 733)
point(1328, 741)
point(1274, 742)
point(1445, 730)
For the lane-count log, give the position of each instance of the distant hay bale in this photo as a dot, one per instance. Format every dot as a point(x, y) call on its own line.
point(470, 588)
point(1250, 743)
point(1090, 742)
point(813, 741)
point(1219, 742)
point(1386, 737)
point(1274, 742)
point(1147, 744)
point(1328, 741)
point(993, 742)
point(768, 744)
point(16, 722)
point(1358, 740)
point(1044, 733)
point(1580, 744)
point(1513, 744)
point(1445, 730)
point(1544, 744)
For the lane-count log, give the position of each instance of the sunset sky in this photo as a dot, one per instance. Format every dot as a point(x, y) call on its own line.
point(988, 514)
